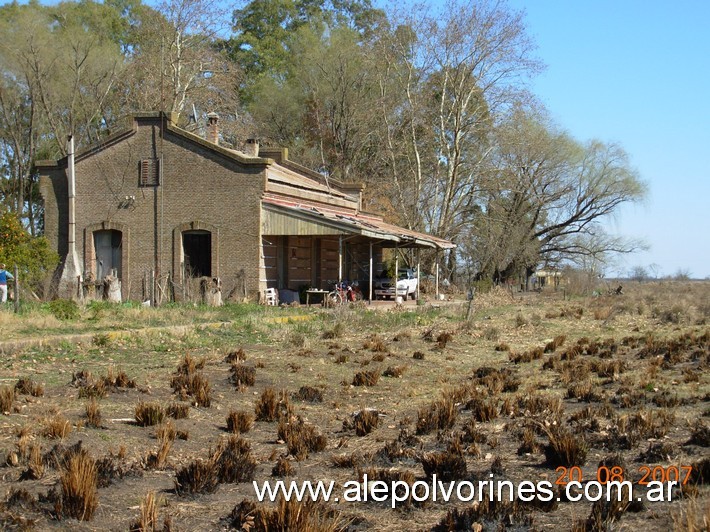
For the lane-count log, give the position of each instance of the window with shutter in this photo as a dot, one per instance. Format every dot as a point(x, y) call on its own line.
point(149, 173)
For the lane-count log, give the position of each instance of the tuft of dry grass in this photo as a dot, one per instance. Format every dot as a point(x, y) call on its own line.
point(93, 413)
point(148, 519)
point(564, 448)
point(366, 421)
point(300, 437)
point(79, 482)
point(366, 378)
point(149, 414)
point(7, 397)
point(242, 375)
point(282, 468)
point(309, 394)
point(239, 422)
point(439, 415)
point(178, 410)
point(234, 461)
point(448, 465)
point(235, 356)
point(57, 427)
point(268, 407)
point(26, 386)
point(199, 476)
point(306, 516)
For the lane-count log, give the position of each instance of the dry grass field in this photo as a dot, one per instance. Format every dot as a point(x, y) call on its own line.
point(159, 419)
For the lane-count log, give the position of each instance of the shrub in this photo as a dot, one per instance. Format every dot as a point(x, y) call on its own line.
point(64, 309)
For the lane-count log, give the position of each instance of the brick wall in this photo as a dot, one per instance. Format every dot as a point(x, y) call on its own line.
point(201, 189)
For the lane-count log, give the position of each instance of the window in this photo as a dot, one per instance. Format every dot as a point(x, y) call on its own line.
point(108, 247)
point(149, 173)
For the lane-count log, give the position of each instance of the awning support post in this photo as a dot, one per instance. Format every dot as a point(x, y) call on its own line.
point(340, 259)
point(418, 277)
point(371, 267)
point(396, 270)
point(436, 278)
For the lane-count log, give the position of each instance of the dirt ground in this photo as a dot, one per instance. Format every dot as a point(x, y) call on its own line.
point(529, 387)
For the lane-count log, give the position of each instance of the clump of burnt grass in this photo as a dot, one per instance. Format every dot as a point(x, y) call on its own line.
point(443, 339)
point(482, 409)
point(555, 344)
point(490, 514)
point(526, 356)
point(502, 347)
point(447, 465)
point(496, 380)
point(26, 386)
point(282, 468)
point(365, 421)
point(148, 414)
point(166, 436)
point(269, 407)
point(90, 386)
point(7, 397)
point(528, 442)
point(309, 394)
point(699, 435)
point(564, 448)
point(234, 461)
point(584, 391)
point(119, 379)
point(418, 355)
point(178, 410)
point(187, 381)
point(35, 465)
point(604, 513)
point(199, 476)
point(534, 405)
point(242, 375)
point(79, 485)
point(306, 516)
point(56, 426)
point(93, 413)
point(376, 344)
point(394, 371)
point(239, 422)
point(367, 378)
point(235, 356)
point(439, 415)
point(148, 519)
point(300, 437)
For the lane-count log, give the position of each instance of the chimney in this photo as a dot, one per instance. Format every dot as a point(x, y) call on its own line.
point(212, 128)
point(252, 148)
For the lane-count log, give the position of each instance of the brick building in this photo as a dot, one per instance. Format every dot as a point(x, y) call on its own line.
point(159, 206)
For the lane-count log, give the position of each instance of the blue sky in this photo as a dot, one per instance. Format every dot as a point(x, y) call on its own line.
point(637, 73)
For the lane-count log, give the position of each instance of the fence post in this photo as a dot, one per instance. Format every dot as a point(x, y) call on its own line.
point(16, 289)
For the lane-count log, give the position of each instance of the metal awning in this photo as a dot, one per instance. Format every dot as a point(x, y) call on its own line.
point(318, 220)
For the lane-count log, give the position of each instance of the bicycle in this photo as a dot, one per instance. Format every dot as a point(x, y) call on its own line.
point(344, 293)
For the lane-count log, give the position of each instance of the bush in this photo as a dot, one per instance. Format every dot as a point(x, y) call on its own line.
point(64, 309)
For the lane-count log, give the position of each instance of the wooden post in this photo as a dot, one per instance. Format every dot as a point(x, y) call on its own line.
point(371, 267)
point(418, 276)
point(16, 290)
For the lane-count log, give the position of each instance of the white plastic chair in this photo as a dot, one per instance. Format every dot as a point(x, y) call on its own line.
point(271, 296)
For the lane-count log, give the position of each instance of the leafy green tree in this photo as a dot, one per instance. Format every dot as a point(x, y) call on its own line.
point(32, 255)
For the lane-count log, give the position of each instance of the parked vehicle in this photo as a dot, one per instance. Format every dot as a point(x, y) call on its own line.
point(405, 286)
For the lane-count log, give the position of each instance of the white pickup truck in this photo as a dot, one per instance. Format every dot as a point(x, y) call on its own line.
point(406, 285)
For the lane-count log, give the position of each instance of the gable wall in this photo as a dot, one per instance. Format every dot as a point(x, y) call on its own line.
point(200, 189)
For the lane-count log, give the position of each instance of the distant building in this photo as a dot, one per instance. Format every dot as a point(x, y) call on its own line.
point(157, 202)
